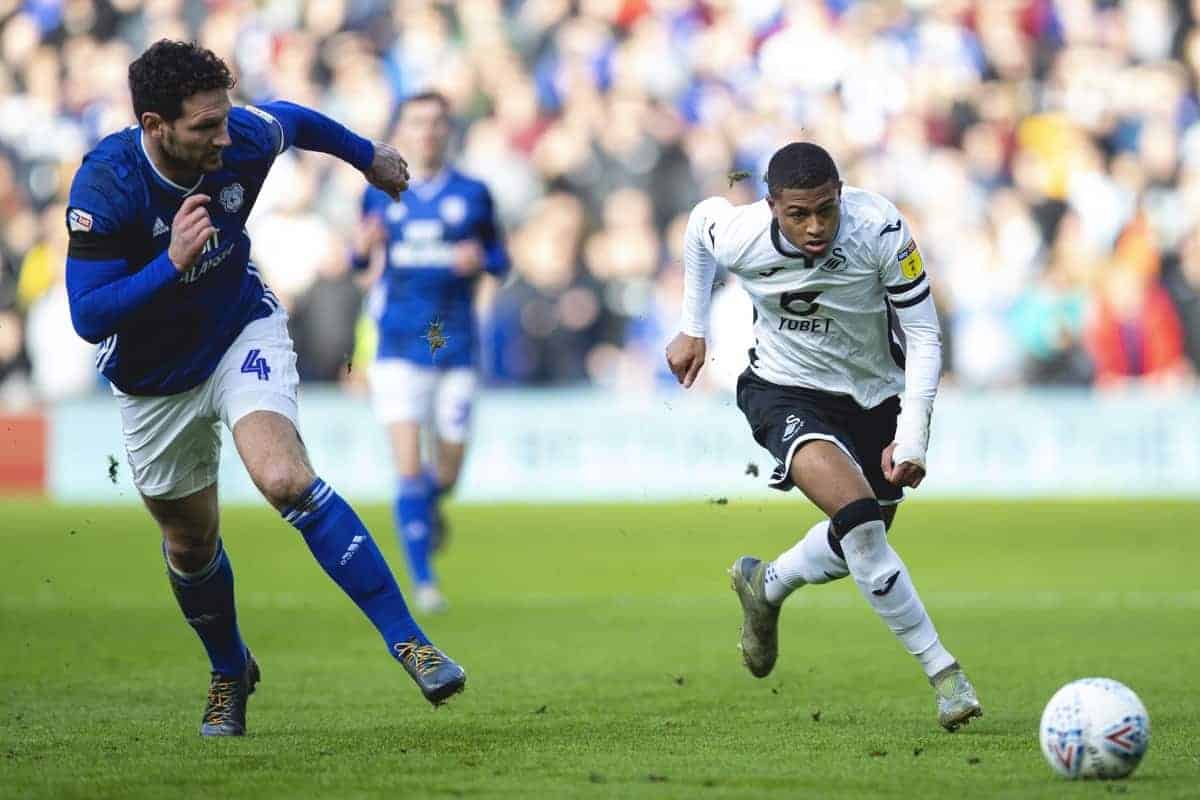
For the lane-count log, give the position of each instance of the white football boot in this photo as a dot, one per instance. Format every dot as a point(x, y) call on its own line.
point(760, 620)
point(956, 700)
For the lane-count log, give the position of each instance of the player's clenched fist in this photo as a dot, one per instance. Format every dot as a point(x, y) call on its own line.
point(389, 170)
point(468, 258)
point(190, 229)
point(685, 357)
point(905, 473)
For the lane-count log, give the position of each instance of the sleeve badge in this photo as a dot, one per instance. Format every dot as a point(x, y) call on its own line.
point(78, 221)
point(909, 257)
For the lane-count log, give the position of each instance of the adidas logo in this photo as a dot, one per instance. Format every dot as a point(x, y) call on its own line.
point(160, 227)
point(355, 543)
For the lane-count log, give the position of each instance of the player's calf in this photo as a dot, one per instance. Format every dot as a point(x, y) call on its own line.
point(884, 582)
point(349, 555)
point(815, 559)
point(439, 536)
point(206, 598)
point(414, 514)
point(439, 528)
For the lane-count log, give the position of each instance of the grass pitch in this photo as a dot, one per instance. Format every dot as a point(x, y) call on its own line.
point(600, 647)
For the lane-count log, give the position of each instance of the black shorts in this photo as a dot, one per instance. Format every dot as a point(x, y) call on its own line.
point(784, 417)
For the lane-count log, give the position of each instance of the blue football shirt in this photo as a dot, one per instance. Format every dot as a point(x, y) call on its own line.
point(419, 286)
point(161, 332)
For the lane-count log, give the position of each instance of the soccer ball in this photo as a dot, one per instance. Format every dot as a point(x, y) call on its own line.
point(1095, 728)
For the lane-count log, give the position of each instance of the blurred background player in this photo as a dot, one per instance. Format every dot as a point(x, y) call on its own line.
point(834, 274)
point(159, 275)
point(434, 247)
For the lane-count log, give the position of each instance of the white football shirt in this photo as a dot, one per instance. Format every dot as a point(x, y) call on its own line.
point(825, 322)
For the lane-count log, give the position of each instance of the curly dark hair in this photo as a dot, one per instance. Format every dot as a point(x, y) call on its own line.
point(169, 72)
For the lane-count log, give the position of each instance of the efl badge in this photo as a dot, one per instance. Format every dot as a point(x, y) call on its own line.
point(910, 260)
point(232, 197)
point(79, 220)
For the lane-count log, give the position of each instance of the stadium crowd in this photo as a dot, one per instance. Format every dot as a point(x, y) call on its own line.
point(1047, 152)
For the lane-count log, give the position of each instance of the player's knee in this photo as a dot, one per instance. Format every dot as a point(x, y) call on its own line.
point(864, 541)
point(283, 484)
point(191, 549)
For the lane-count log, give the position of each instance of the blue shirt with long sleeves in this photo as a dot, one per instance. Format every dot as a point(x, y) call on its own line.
point(162, 332)
point(419, 287)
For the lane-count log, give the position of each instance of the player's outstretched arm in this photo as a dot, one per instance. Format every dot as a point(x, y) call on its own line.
point(906, 286)
point(904, 461)
point(307, 129)
point(922, 369)
point(687, 351)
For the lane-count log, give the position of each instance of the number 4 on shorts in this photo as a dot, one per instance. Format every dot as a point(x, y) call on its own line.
point(256, 364)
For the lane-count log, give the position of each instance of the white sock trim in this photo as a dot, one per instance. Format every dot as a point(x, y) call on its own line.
point(200, 574)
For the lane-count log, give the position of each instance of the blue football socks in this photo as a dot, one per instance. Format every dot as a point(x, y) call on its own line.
point(435, 488)
point(345, 550)
point(206, 600)
point(414, 522)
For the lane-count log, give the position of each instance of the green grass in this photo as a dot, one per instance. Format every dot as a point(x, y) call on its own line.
point(600, 643)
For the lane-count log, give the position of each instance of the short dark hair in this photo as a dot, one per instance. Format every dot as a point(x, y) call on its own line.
point(427, 96)
point(169, 72)
point(800, 165)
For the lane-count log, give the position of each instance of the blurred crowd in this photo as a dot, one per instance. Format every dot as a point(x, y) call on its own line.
point(1046, 152)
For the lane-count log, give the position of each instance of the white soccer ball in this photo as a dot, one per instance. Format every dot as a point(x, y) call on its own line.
point(1095, 728)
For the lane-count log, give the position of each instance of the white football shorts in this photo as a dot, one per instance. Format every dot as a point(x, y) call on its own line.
point(173, 443)
point(402, 391)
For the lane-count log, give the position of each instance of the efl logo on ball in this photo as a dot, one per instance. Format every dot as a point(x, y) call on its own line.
point(1094, 728)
